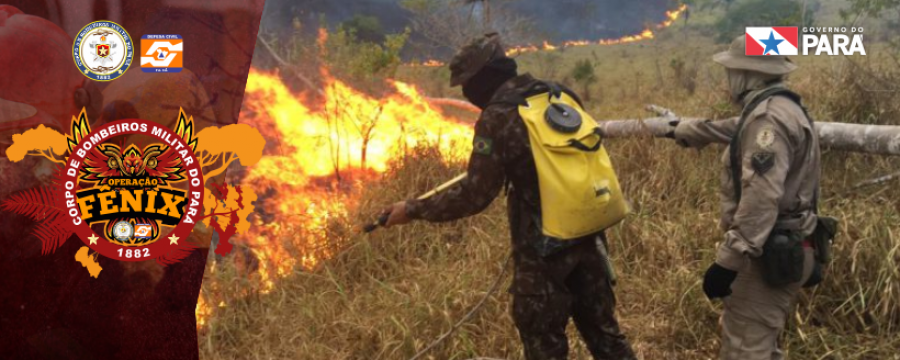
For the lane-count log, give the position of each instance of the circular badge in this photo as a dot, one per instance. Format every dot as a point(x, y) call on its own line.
point(766, 137)
point(103, 50)
point(136, 198)
point(123, 231)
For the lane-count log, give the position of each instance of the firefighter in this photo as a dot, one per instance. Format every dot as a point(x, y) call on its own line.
point(769, 192)
point(554, 280)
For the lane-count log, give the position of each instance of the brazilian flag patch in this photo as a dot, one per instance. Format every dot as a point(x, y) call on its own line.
point(483, 146)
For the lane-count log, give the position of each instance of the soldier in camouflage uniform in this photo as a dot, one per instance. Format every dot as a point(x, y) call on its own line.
point(553, 280)
point(779, 150)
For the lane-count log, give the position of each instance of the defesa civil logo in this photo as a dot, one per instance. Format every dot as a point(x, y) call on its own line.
point(162, 53)
point(786, 40)
point(102, 50)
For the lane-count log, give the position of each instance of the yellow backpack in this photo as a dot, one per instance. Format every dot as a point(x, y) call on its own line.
point(580, 193)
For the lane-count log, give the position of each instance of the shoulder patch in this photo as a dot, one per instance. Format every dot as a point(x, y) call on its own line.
point(762, 162)
point(766, 137)
point(483, 145)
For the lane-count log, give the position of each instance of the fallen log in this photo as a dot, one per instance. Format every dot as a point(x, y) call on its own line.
point(871, 139)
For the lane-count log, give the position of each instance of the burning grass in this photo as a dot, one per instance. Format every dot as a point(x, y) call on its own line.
point(646, 34)
point(386, 295)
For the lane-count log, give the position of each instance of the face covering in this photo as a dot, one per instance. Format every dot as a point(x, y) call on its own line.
point(480, 89)
point(742, 82)
point(737, 84)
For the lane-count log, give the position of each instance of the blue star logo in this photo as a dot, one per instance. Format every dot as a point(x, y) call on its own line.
point(771, 43)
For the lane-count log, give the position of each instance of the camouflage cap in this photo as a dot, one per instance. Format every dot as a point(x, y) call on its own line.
point(735, 58)
point(474, 56)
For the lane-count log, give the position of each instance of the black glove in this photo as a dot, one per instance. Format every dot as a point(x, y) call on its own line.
point(717, 281)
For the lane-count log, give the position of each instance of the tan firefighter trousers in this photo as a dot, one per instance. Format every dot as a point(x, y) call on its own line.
point(755, 314)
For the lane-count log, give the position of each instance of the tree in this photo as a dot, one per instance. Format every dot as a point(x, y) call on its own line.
point(237, 204)
point(685, 75)
point(869, 139)
point(366, 64)
point(485, 10)
point(41, 141)
point(874, 8)
point(583, 74)
point(447, 25)
point(228, 143)
point(367, 28)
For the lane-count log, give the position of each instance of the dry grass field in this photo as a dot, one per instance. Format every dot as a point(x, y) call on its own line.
point(389, 294)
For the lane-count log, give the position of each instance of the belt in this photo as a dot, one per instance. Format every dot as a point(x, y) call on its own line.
point(789, 222)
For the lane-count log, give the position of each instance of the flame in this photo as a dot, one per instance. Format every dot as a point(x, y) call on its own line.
point(324, 140)
point(331, 135)
point(322, 38)
point(432, 63)
point(671, 17)
point(313, 142)
point(203, 311)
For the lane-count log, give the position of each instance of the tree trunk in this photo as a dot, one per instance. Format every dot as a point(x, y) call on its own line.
point(487, 14)
point(872, 139)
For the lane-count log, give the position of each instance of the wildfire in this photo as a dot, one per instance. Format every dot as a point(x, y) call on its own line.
point(202, 312)
point(432, 63)
point(347, 131)
point(671, 17)
point(319, 150)
point(322, 38)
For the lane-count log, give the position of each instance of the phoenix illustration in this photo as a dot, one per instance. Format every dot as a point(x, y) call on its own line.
point(159, 161)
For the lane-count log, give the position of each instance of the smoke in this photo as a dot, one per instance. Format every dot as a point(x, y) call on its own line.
point(562, 20)
point(554, 20)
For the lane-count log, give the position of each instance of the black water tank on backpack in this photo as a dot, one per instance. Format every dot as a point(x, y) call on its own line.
point(563, 118)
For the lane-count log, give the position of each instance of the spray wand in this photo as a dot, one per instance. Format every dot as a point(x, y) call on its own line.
point(383, 218)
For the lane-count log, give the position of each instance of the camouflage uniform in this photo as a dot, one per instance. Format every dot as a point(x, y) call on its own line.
point(780, 176)
point(553, 280)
